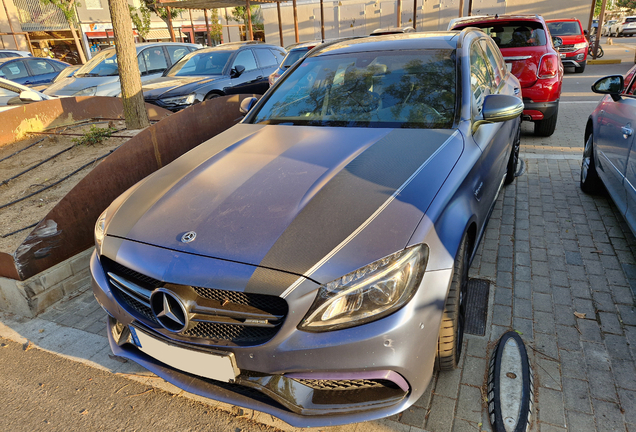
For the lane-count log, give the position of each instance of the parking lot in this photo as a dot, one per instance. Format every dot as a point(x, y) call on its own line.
point(562, 274)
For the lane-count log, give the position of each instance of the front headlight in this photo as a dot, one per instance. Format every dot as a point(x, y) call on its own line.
point(179, 100)
point(368, 293)
point(100, 231)
point(580, 45)
point(88, 91)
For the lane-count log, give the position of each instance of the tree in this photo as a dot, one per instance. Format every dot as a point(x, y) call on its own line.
point(216, 29)
point(68, 9)
point(129, 75)
point(141, 19)
point(239, 14)
point(629, 4)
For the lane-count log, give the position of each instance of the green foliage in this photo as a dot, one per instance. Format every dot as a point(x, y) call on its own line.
point(215, 28)
point(629, 4)
point(94, 136)
point(239, 14)
point(66, 6)
point(141, 19)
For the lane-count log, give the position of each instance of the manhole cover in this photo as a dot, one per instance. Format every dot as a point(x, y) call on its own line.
point(477, 306)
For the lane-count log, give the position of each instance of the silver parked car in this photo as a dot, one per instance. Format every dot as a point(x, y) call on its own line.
point(100, 75)
point(312, 261)
point(609, 157)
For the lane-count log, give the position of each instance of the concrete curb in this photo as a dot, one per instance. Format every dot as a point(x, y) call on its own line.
point(606, 61)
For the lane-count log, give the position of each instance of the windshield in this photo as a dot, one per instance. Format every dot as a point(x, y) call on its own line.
point(566, 28)
point(412, 89)
point(201, 63)
point(294, 56)
point(515, 34)
point(103, 64)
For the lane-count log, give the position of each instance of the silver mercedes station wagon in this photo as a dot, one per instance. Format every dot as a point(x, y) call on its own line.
point(312, 261)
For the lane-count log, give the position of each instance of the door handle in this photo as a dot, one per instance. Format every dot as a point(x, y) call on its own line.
point(259, 77)
point(627, 132)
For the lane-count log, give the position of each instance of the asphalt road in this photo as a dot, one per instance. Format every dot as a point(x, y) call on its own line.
point(40, 391)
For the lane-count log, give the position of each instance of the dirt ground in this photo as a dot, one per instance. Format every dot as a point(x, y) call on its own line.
point(17, 216)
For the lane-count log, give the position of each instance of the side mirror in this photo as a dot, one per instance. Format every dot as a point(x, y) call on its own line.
point(247, 104)
point(237, 71)
point(557, 41)
point(585, 33)
point(611, 85)
point(499, 108)
point(30, 96)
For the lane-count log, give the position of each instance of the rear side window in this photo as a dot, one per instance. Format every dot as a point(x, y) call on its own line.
point(40, 67)
point(14, 70)
point(566, 28)
point(266, 58)
point(630, 19)
point(176, 52)
point(155, 60)
point(280, 55)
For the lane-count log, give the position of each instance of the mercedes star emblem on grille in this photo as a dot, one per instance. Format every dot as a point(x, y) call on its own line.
point(169, 310)
point(188, 237)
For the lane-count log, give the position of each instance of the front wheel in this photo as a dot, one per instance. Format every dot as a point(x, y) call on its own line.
point(590, 181)
point(513, 161)
point(451, 332)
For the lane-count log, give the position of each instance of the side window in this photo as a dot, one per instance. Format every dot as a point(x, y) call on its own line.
point(176, 52)
point(266, 58)
point(280, 55)
point(142, 64)
point(246, 59)
point(40, 67)
point(14, 70)
point(496, 60)
point(481, 78)
point(155, 60)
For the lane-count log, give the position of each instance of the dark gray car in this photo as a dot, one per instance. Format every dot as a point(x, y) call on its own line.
point(312, 261)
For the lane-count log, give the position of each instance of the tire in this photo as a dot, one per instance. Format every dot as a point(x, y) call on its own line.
point(581, 68)
point(590, 181)
point(546, 127)
point(211, 96)
point(513, 160)
point(600, 52)
point(451, 332)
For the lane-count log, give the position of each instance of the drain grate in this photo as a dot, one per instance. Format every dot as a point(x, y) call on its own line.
point(477, 306)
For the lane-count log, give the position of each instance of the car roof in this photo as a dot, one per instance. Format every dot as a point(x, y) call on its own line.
point(562, 20)
point(489, 18)
point(402, 41)
point(235, 46)
point(141, 46)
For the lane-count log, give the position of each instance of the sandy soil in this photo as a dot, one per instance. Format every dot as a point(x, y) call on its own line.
point(31, 210)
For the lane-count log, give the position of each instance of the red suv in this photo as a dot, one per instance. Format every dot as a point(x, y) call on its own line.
point(574, 49)
point(530, 55)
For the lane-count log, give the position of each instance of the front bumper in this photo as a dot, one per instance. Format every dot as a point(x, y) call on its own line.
point(308, 379)
point(576, 58)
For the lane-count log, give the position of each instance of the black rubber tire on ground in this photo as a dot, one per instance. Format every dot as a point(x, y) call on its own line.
point(211, 96)
point(546, 127)
point(451, 332)
point(590, 181)
point(581, 68)
point(513, 160)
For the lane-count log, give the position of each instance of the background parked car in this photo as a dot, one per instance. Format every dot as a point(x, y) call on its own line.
point(13, 95)
point(332, 229)
point(623, 27)
point(30, 70)
point(211, 72)
point(527, 48)
point(605, 31)
point(4, 53)
point(100, 75)
point(574, 49)
point(609, 156)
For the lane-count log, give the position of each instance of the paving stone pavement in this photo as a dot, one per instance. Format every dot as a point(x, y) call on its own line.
point(562, 271)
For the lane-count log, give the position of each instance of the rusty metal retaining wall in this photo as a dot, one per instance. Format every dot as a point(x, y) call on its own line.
point(68, 228)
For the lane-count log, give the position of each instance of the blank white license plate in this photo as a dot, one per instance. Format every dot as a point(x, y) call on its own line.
point(214, 366)
point(562, 55)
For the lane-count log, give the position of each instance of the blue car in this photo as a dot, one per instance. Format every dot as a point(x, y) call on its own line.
point(30, 70)
point(609, 156)
point(312, 261)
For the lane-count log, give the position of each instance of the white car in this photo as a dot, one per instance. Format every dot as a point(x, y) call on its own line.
point(623, 27)
point(13, 95)
point(605, 31)
point(5, 53)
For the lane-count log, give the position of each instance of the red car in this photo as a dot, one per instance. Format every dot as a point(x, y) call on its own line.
point(530, 55)
point(574, 49)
